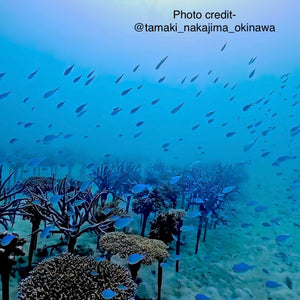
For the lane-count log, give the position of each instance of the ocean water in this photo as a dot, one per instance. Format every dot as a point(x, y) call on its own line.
point(80, 88)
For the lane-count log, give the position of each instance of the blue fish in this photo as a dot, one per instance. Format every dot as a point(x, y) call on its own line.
point(135, 68)
point(201, 297)
point(50, 93)
point(80, 108)
point(119, 78)
point(194, 78)
point(175, 179)
point(155, 101)
point(195, 126)
point(135, 258)
point(140, 123)
point(241, 268)
point(123, 222)
point(46, 231)
point(230, 134)
point(134, 110)
point(4, 95)
point(32, 74)
point(281, 238)
point(108, 294)
point(2, 75)
point(7, 239)
point(125, 92)
point(272, 284)
point(251, 74)
point(89, 81)
point(59, 105)
point(68, 70)
point(90, 74)
point(139, 188)
point(137, 134)
point(77, 78)
point(161, 79)
point(177, 108)
point(161, 62)
point(55, 199)
point(222, 49)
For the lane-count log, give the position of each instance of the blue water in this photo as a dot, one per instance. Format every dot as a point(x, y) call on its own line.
point(51, 36)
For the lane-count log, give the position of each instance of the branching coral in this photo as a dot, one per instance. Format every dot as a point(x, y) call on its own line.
point(71, 277)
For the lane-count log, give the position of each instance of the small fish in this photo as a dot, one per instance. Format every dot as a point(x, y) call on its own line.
point(35, 162)
point(281, 238)
point(140, 123)
point(138, 188)
point(49, 138)
point(194, 78)
point(230, 134)
point(122, 287)
point(183, 80)
point(32, 74)
point(222, 49)
point(139, 87)
point(89, 81)
point(177, 108)
point(134, 110)
point(247, 107)
point(80, 108)
point(241, 268)
point(265, 154)
point(13, 140)
point(67, 136)
point(59, 105)
point(251, 74)
point(201, 297)
point(175, 179)
point(249, 146)
point(198, 94)
point(108, 294)
point(226, 85)
point(68, 70)
point(46, 231)
point(137, 134)
point(135, 69)
point(155, 101)
point(229, 189)
point(123, 222)
point(50, 93)
point(135, 258)
point(77, 79)
point(210, 113)
point(261, 208)
point(28, 125)
point(161, 62)
point(7, 239)
point(272, 284)
point(115, 111)
point(195, 126)
point(161, 79)
point(26, 99)
point(90, 74)
point(216, 79)
point(125, 92)
point(2, 75)
point(4, 95)
point(119, 78)
point(55, 199)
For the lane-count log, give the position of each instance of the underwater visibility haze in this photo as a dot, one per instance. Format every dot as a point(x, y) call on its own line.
point(149, 165)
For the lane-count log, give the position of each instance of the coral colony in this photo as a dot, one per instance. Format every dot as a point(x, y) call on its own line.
point(132, 218)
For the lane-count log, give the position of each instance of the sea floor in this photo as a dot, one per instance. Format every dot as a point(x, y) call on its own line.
point(210, 271)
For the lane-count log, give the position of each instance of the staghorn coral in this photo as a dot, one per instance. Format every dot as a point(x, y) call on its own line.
point(37, 184)
point(71, 277)
point(127, 244)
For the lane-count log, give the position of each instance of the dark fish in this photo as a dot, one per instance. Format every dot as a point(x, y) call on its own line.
point(137, 134)
point(118, 79)
point(89, 81)
point(125, 92)
point(251, 74)
point(90, 74)
point(234, 87)
point(69, 70)
point(224, 124)
point(252, 60)
point(249, 146)
point(265, 154)
point(50, 93)
point(13, 140)
point(198, 94)
point(165, 145)
point(177, 108)
point(258, 123)
point(259, 100)
point(27, 125)
point(209, 72)
point(139, 87)
point(26, 99)
point(49, 138)
point(140, 123)
point(115, 111)
point(241, 268)
point(77, 79)
point(1, 75)
point(80, 108)
point(162, 79)
point(195, 126)
point(210, 121)
point(226, 85)
point(161, 62)
point(216, 79)
point(272, 284)
point(4, 95)
point(194, 78)
point(231, 98)
point(230, 134)
point(183, 80)
point(155, 101)
point(253, 131)
point(135, 69)
point(261, 208)
point(222, 49)
point(67, 136)
point(265, 132)
point(134, 110)
point(210, 113)
point(32, 74)
point(59, 105)
point(247, 107)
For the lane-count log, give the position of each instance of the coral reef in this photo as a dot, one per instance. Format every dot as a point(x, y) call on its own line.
point(71, 277)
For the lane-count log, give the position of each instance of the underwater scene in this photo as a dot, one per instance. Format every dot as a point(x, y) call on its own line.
point(149, 150)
